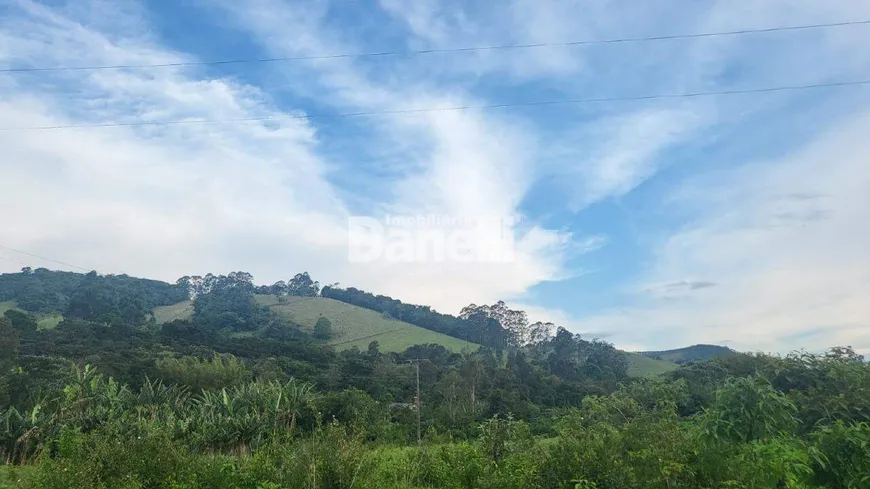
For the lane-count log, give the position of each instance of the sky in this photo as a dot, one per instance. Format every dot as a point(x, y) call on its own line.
point(739, 220)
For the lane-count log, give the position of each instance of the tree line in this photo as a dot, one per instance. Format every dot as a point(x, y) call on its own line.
point(117, 299)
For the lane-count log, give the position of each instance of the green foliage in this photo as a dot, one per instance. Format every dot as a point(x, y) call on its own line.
point(40, 290)
point(501, 437)
point(748, 410)
point(775, 462)
point(244, 417)
point(303, 286)
point(829, 387)
point(23, 322)
point(227, 302)
point(235, 395)
point(621, 442)
point(842, 455)
point(322, 329)
point(9, 346)
point(354, 408)
point(218, 372)
point(96, 299)
point(104, 434)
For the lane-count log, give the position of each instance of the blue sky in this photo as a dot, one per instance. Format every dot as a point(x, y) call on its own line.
point(738, 220)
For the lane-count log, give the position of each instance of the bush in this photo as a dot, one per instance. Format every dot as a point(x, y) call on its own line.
point(322, 329)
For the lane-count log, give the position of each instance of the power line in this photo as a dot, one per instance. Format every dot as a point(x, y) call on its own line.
point(448, 109)
point(43, 258)
point(14, 261)
point(414, 52)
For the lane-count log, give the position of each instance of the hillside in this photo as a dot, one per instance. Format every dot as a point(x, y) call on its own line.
point(695, 353)
point(43, 321)
point(640, 365)
point(353, 326)
point(179, 310)
point(357, 326)
point(357, 317)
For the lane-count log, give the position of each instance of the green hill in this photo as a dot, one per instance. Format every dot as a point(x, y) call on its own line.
point(695, 353)
point(356, 326)
point(640, 365)
point(43, 321)
point(353, 326)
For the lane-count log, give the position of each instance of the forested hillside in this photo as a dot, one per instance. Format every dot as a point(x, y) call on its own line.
point(243, 387)
point(494, 326)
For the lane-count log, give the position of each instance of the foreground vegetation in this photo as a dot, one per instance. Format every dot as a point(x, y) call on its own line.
point(791, 427)
point(240, 396)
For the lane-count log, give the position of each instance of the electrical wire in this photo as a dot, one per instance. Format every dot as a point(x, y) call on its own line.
point(447, 109)
point(43, 258)
point(415, 52)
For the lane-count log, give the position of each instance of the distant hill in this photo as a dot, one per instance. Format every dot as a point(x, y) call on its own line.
point(695, 353)
point(353, 326)
point(47, 293)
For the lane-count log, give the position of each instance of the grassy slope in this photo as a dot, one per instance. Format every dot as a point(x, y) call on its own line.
point(43, 321)
point(641, 366)
point(353, 326)
point(181, 310)
point(357, 326)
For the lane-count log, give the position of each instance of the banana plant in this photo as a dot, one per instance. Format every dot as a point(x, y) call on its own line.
point(23, 433)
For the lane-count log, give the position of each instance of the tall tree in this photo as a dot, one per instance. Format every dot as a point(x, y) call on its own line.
point(515, 322)
point(540, 332)
point(9, 346)
point(24, 323)
point(302, 285)
point(278, 288)
point(227, 301)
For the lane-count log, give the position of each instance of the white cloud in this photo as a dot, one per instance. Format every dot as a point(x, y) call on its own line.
point(623, 151)
point(783, 243)
point(171, 200)
point(273, 198)
point(457, 24)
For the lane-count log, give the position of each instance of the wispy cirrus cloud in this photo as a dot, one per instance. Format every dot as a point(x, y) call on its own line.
point(170, 200)
point(776, 287)
point(728, 225)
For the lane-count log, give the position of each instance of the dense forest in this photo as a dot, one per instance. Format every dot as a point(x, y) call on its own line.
point(238, 396)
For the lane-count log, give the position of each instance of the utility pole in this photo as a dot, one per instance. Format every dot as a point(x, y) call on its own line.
point(419, 404)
